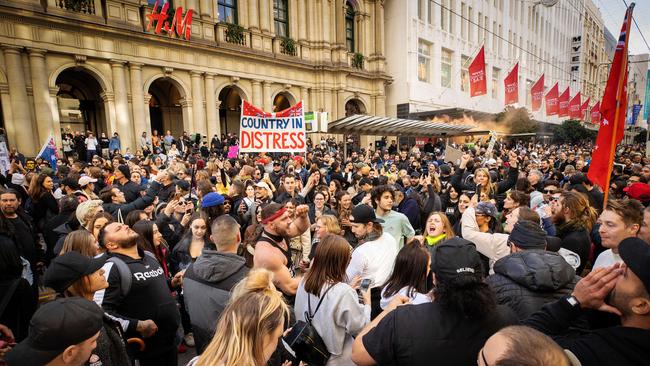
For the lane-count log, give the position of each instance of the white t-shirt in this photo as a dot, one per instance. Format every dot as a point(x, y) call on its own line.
point(607, 259)
point(416, 299)
point(91, 143)
point(374, 260)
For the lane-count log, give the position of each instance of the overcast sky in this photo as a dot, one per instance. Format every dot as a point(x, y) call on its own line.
point(613, 12)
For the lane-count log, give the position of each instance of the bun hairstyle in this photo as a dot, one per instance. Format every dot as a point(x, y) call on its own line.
point(255, 311)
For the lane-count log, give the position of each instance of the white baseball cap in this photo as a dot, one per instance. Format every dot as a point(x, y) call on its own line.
point(83, 181)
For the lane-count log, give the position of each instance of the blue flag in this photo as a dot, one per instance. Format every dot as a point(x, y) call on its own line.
point(49, 152)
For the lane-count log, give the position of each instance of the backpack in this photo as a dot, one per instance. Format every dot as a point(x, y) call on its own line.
point(126, 278)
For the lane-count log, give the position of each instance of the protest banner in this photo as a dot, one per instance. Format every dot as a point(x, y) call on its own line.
point(261, 131)
point(5, 164)
point(233, 152)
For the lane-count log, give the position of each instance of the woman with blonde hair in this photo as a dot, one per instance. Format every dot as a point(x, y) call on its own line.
point(250, 326)
point(326, 224)
point(483, 181)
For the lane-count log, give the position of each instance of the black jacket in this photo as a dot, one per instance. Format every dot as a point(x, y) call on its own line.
point(139, 204)
point(605, 346)
point(577, 240)
point(131, 190)
point(149, 298)
point(527, 280)
point(206, 288)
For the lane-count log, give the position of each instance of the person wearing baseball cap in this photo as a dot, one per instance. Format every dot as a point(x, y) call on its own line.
point(621, 289)
point(375, 255)
point(73, 274)
point(62, 332)
point(87, 185)
point(464, 308)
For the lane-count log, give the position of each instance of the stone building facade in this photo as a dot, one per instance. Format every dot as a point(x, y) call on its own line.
point(99, 65)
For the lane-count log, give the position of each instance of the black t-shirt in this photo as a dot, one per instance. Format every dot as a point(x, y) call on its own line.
point(25, 241)
point(420, 334)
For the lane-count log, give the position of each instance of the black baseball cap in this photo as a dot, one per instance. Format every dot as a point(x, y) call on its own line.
point(70, 182)
point(636, 255)
point(54, 327)
point(363, 214)
point(456, 257)
point(70, 267)
point(365, 180)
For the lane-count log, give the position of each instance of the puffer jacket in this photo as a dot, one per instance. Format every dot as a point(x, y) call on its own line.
point(525, 281)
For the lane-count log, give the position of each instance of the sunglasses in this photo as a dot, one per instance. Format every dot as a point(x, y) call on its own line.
point(549, 191)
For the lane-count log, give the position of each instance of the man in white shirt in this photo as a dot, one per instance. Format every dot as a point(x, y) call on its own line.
point(621, 219)
point(91, 147)
point(393, 222)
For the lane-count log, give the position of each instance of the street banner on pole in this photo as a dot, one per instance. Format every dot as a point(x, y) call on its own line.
point(551, 101)
point(595, 113)
point(537, 93)
point(477, 82)
point(563, 103)
point(574, 107)
point(261, 131)
point(583, 108)
point(512, 86)
point(612, 127)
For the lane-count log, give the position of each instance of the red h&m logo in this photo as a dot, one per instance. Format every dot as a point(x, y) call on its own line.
point(180, 25)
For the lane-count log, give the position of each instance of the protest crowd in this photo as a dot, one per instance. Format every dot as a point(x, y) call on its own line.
point(390, 255)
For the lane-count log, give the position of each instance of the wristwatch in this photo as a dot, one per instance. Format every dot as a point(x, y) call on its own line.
point(573, 301)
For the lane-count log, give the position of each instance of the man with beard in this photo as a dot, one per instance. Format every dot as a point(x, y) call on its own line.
point(620, 289)
point(272, 250)
point(138, 296)
point(574, 218)
point(621, 219)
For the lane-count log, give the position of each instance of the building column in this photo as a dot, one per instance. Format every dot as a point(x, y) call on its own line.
point(108, 98)
point(122, 114)
point(7, 115)
point(253, 15)
point(326, 21)
point(188, 121)
point(264, 16)
point(294, 18)
point(194, 5)
point(137, 101)
point(197, 102)
point(42, 106)
point(436, 58)
point(257, 93)
point(25, 140)
point(302, 21)
point(147, 116)
point(212, 113)
point(54, 105)
point(206, 9)
point(379, 28)
point(304, 95)
point(266, 99)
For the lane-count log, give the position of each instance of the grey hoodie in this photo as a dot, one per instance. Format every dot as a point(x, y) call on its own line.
point(206, 288)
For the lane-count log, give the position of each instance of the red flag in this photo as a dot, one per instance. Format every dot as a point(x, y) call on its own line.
point(512, 86)
point(563, 103)
point(477, 82)
point(537, 92)
point(612, 108)
point(551, 101)
point(584, 107)
point(574, 107)
point(595, 113)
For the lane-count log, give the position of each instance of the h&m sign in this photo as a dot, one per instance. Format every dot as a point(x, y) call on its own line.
point(181, 26)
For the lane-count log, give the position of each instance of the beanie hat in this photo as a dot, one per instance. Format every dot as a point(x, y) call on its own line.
point(212, 199)
point(125, 171)
point(528, 235)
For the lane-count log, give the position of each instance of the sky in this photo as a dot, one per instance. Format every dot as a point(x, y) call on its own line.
point(613, 12)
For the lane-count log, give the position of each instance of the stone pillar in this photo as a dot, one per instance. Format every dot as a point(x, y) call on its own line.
point(42, 106)
point(326, 21)
point(7, 115)
point(25, 140)
point(242, 15)
point(140, 124)
point(197, 102)
point(379, 28)
point(266, 98)
point(294, 18)
point(264, 16)
point(339, 16)
point(54, 106)
point(302, 21)
point(147, 117)
point(257, 93)
point(253, 15)
point(122, 114)
point(206, 9)
point(304, 95)
point(455, 70)
point(194, 5)
point(435, 66)
point(109, 108)
point(212, 112)
point(188, 122)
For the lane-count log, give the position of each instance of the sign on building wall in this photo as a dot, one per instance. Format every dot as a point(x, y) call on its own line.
point(272, 132)
point(179, 27)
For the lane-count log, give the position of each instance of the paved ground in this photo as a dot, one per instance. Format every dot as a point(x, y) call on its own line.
point(184, 358)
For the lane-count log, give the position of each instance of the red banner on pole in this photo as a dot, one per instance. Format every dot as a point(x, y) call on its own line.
point(595, 113)
point(563, 103)
point(583, 108)
point(574, 107)
point(613, 108)
point(511, 83)
point(537, 92)
point(551, 101)
point(477, 81)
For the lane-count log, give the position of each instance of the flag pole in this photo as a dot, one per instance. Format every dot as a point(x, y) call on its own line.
point(619, 90)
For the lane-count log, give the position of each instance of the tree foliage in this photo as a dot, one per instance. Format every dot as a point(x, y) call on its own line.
point(572, 131)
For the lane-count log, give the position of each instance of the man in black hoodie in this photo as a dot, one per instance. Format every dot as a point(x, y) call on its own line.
point(208, 281)
point(146, 309)
point(622, 290)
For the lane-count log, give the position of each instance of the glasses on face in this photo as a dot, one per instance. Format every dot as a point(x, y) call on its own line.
point(549, 191)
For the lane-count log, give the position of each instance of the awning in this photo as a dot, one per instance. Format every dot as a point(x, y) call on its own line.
point(390, 126)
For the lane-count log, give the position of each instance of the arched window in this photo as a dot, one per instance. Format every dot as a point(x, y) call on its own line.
point(281, 17)
point(227, 11)
point(349, 27)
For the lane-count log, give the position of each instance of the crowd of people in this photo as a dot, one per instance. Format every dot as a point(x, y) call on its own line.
point(391, 255)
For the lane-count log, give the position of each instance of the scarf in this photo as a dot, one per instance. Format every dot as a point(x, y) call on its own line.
point(433, 240)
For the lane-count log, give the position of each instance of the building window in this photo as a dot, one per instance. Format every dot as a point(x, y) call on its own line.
point(445, 68)
point(424, 60)
point(227, 11)
point(281, 17)
point(349, 27)
point(464, 74)
point(495, 82)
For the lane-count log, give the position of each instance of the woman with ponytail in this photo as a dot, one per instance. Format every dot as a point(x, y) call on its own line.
point(251, 325)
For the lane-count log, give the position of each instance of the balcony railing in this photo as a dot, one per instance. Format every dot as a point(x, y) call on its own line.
point(80, 6)
point(233, 34)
